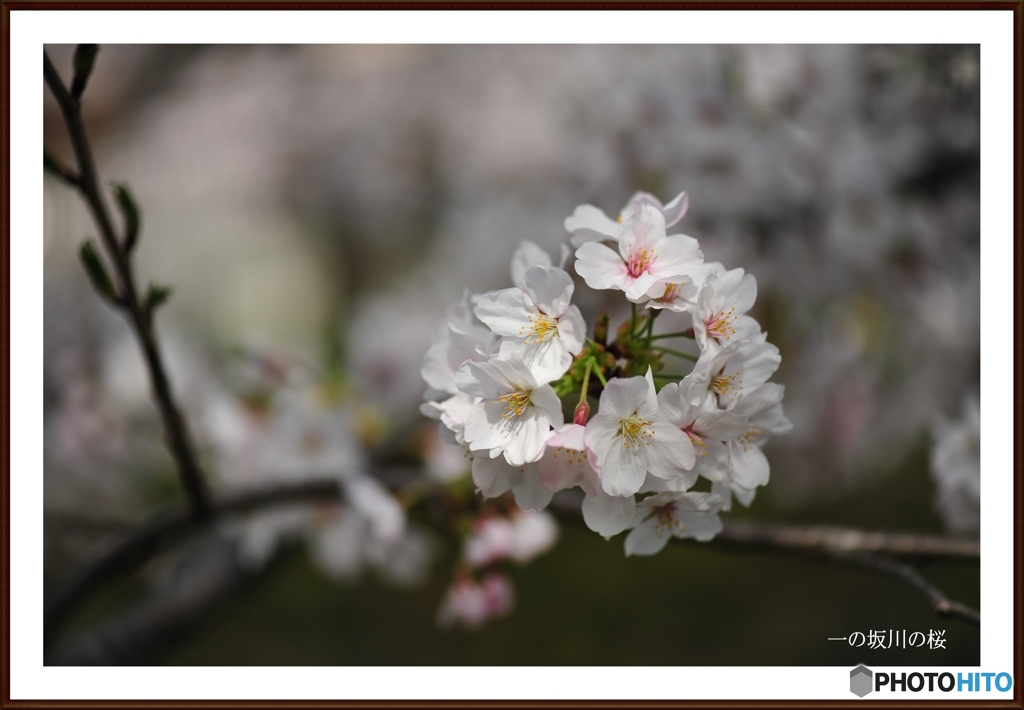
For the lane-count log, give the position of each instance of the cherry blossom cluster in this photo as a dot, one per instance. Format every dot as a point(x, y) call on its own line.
point(662, 454)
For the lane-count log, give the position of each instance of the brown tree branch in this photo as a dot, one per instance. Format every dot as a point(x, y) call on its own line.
point(873, 551)
point(836, 541)
point(140, 317)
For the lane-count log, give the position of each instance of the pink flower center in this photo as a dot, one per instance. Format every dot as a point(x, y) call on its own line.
point(640, 261)
point(719, 326)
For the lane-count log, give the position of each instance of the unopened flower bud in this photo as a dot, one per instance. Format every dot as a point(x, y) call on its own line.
point(582, 414)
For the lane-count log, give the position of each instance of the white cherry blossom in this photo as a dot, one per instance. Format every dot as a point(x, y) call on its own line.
point(608, 515)
point(719, 317)
point(707, 426)
point(493, 477)
point(528, 255)
point(680, 293)
point(628, 438)
point(645, 256)
point(591, 224)
point(730, 372)
point(762, 406)
point(514, 414)
point(673, 514)
point(540, 321)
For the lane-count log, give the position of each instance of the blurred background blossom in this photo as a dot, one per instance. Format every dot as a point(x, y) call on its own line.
point(326, 205)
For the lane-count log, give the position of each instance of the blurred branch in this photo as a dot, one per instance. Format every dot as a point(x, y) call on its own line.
point(874, 551)
point(836, 541)
point(869, 550)
point(161, 532)
point(202, 579)
point(126, 297)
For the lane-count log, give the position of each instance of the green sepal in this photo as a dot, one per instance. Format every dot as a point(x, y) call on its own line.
point(130, 211)
point(156, 297)
point(96, 272)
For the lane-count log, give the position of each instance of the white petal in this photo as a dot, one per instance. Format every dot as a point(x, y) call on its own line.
point(588, 223)
point(530, 493)
point(550, 288)
point(506, 312)
point(698, 525)
point(494, 476)
point(572, 330)
point(674, 210)
point(600, 267)
point(608, 515)
point(645, 538)
point(528, 254)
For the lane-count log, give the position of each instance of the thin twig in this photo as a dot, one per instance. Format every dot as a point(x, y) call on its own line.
point(870, 550)
point(175, 429)
point(942, 605)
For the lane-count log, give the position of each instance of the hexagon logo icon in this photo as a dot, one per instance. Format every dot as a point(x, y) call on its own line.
point(860, 681)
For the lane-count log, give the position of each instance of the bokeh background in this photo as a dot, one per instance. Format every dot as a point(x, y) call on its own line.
point(331, 201)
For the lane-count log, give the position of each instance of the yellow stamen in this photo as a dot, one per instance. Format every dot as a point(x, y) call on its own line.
point(515, 403)
point(636, 432)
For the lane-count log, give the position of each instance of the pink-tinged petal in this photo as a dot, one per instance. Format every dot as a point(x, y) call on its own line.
point(600, 267)
point(636, 288)
point(569, 436)
point(642, 232)
point(590, 224)
point(608, 515)
point(530, 493)
point(526, 255)
point(494, 476)
point(558, 469)
point(572, 330)
point(506, 312)
point(647, 538)
point(550, 288)
point(565, 458)
point(674, 210)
